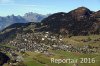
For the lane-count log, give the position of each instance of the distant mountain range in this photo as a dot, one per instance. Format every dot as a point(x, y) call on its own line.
point(28, 17)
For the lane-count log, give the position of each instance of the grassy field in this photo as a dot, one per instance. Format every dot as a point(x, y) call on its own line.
point(38, 59)
point(77, 40)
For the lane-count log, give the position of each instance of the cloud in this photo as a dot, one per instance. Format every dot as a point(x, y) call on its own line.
point(6, 1)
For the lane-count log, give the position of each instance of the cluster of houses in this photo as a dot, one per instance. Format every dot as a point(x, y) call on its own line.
point(42, 41)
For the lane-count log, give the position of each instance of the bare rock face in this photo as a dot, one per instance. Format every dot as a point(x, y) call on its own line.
point(3, 58)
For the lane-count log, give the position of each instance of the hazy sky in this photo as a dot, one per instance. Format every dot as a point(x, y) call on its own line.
point(20, 7)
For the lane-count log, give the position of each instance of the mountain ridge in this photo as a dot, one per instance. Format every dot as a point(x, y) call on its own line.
point(77, 22)
point(28, 17)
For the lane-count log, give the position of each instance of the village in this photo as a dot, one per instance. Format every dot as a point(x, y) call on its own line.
point(42, 42)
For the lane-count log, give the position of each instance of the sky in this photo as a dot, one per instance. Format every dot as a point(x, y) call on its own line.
point(20, 7)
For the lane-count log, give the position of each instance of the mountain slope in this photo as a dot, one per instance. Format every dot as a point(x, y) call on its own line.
point(80, 21)
point(11, 31)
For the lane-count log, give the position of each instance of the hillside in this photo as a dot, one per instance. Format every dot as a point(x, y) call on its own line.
point(3, 58)
point(80, 21)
